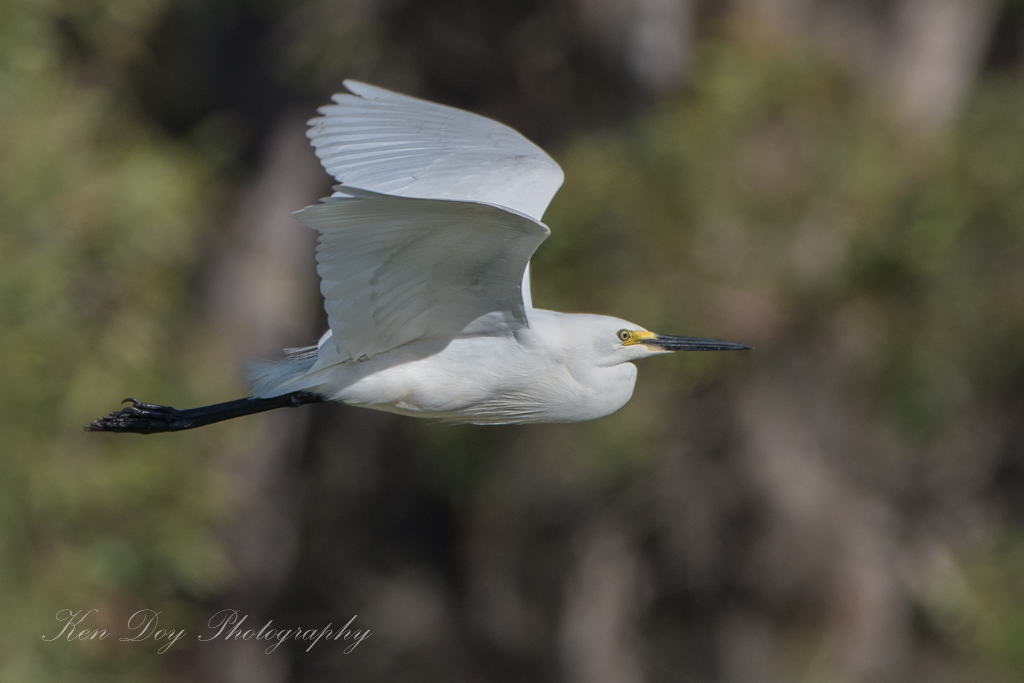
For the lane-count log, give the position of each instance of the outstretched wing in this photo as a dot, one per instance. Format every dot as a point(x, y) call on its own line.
point(395, 269)
point(382, 141)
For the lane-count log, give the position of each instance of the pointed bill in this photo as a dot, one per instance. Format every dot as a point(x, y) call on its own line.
point(669, 343)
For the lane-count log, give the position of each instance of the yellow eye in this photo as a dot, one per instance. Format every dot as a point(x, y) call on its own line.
point(624, 335)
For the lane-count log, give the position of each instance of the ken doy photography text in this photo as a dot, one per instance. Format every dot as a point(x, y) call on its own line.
point(225, 625)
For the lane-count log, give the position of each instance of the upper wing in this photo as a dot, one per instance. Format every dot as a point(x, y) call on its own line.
point(379, 140)
point(395, 269)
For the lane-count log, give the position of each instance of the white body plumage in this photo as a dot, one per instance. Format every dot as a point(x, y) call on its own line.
point(424, 263)
point(559, 368)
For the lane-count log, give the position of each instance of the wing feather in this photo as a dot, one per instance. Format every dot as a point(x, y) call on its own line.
point(395, 269)
point(382, 141)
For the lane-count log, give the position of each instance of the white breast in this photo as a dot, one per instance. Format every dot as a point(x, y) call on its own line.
point(483, 380)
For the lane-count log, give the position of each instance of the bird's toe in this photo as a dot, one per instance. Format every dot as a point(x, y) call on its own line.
point(140, 418)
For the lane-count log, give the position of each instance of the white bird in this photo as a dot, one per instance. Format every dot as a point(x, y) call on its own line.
point(423, 257)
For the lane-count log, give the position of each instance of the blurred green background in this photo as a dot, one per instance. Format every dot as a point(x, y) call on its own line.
point(839, 183)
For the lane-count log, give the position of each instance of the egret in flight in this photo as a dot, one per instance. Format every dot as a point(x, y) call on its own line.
point(424, 262)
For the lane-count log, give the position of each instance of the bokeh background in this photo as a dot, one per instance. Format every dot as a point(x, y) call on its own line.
point(839, 183)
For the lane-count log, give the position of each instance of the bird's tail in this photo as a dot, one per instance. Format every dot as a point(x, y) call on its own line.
point(268, 378)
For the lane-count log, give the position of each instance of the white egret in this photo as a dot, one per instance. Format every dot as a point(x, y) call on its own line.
point(423, 258)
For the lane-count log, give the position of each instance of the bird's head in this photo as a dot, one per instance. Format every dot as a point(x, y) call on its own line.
point(614, 341)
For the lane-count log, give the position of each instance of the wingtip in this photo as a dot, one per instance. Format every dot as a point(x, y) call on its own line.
point(351, 85)
point(363, 90)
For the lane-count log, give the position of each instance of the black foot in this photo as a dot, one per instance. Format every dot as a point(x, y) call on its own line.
point(141, 418)
point(146, 418)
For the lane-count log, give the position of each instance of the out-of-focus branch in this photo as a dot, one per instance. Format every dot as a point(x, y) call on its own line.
point(263, 297)
point(822, 531)
point(601, 613)
point(939, 45)
point(652, 38)
point(927, 51)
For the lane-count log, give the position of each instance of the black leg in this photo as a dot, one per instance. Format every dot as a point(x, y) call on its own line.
point(146, 418)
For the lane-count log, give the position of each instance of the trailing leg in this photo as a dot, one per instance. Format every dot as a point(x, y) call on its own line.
point(146, 418)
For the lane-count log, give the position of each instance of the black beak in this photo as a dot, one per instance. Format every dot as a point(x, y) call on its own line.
point(668, 343)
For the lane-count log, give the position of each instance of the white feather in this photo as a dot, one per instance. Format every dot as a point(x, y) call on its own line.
point(379, 140)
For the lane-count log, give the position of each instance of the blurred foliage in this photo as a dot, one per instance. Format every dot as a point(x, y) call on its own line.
point(776, 203)
point(100, 231)
point(993, 618)
point(779, 204)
